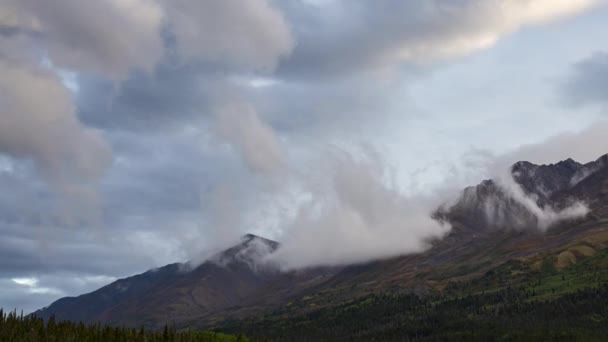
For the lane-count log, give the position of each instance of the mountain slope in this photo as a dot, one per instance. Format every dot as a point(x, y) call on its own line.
point(176, 292)
point(494, 232)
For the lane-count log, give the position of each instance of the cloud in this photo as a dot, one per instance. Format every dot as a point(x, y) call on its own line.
point(32, 286)
point(207, 31)
point(107, 37)
point(25, 281)
point(28, 292)
point(588, 83)
point(350, 36)
point(356, 217)
point(584, 146)
point(71, 157)
point(172, 96)
point(544, 215)
point(239, 124)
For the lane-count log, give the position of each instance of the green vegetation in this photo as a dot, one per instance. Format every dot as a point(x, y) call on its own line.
point(504, 315)
point(520, 300)
point(20, 328)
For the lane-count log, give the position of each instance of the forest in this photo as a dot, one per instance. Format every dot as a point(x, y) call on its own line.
point(19, 328)
point(508, 315)
point(509, 303)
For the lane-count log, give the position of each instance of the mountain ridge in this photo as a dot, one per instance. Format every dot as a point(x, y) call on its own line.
point(236, 283)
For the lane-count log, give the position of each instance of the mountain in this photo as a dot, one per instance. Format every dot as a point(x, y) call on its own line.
point(548, 222)
point(534, 197)
point(228, 281)
point(232, 272)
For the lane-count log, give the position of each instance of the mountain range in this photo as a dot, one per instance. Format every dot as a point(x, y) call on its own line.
point(541, 217)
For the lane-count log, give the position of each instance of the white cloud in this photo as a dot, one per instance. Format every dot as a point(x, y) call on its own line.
point(546, 215)
point(353, 215)
point(239, 124)
point(32, 286)
point(29, 282)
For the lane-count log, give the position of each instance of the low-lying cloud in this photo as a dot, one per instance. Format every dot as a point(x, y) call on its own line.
point(544, 215)
point(238, 123)
point(353, 213)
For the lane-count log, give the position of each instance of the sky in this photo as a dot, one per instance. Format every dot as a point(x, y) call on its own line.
point(136, 133)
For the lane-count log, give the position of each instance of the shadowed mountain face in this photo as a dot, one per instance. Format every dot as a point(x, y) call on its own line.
point(176, 290)
point(538, 196)
point(489, 224)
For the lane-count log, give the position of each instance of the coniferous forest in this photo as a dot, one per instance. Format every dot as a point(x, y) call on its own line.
point(505, 315)
point(508, 303)
point(18, 328)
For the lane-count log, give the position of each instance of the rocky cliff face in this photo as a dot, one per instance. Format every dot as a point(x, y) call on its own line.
point(535, 196)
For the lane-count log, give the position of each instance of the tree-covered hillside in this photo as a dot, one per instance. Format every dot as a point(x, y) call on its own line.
point(514, 302)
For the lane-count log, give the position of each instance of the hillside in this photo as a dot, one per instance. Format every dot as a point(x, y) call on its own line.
point(499, 256)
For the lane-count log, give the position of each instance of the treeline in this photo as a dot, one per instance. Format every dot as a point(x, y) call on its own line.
point(18, 328)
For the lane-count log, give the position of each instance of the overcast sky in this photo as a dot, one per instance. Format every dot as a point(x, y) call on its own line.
point(135, 133)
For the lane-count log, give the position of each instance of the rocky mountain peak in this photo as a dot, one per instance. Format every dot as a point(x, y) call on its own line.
point(251, 251)
point(493, 205)
point(545, 180)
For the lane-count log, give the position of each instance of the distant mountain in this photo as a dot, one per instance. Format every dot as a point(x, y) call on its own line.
point(492, 227)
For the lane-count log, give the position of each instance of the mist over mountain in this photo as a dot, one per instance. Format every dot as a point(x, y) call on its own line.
point(530, 197)
point(245, 280)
